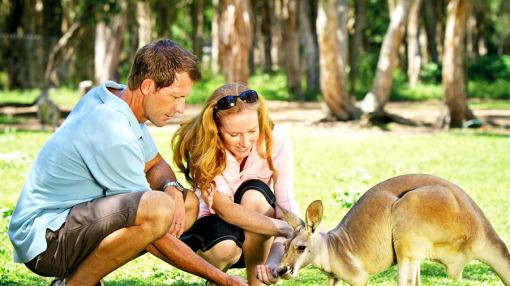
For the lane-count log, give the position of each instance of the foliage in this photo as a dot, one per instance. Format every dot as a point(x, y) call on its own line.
point(500, 89)
point(430, 73)
point(490, 68)
point(351, 164)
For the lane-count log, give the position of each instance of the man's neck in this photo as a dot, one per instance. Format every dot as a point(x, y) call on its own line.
point(134, 101)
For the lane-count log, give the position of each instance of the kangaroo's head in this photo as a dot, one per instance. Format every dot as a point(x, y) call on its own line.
point(299, 248)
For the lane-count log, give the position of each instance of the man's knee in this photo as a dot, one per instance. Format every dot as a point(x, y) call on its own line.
point(155, 213)
point(256, 201)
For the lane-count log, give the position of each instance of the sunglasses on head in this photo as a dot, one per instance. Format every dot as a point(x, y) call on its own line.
point(229, 101)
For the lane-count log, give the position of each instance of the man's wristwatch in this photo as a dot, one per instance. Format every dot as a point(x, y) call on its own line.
point(176, 185)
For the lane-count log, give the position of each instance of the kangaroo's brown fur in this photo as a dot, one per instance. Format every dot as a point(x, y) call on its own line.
point(403, 220)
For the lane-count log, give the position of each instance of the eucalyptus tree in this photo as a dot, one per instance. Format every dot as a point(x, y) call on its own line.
point(381, 88)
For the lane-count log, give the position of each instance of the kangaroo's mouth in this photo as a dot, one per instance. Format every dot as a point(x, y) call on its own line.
point(285, 272)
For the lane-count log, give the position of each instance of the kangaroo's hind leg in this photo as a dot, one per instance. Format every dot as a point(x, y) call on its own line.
point(408, 271)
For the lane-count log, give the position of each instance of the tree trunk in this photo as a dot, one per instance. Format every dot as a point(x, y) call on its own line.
point(379, 95)
point(343, 37)
point(307, 18)
point(107, 47)
point(357, 45)
point(291, 48)
point(414, 59)
point(275, 7)
point(235, 39)
point(215, 41)
point(265, 29)
point(143, 17)
point(430, 28)
point(332, 70)
point(197, 24)
point(453, 62)
point(165, 17)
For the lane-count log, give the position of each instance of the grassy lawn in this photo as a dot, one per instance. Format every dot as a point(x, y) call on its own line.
point(330, 165)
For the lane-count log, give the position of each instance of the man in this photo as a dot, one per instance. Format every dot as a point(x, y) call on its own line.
point(86, 207)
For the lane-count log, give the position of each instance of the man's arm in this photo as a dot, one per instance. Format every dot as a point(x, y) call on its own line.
point(158, 173)
point(266, 273)
point(178, 254)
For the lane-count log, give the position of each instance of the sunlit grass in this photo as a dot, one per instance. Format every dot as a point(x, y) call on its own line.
point(327, 161)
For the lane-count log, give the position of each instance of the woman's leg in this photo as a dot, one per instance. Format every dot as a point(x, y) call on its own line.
point(222, 255)
point(256, 246)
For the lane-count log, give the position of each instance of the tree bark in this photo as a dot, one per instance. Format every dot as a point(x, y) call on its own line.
point(332, 70)
point(358, 44)
point(430, 27)
point(215, 41)
point(275, 7)
point(343, 37)
point(235, 39)
point(453, 62)
point(414, 59)
point(379, 95)
point(307, 18)
point(291, 48)
point(197, 24)
point(265, 29)
point(107, 47)
point(143, 17)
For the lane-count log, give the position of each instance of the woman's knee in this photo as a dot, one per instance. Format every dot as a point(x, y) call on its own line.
point(155, 212)
point(226, 252)
point(256, 201)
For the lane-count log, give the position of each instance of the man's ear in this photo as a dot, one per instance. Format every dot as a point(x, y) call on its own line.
point(147, 86)
point(314, 215)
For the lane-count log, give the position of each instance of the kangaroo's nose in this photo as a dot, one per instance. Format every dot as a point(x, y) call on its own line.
point(282, 270)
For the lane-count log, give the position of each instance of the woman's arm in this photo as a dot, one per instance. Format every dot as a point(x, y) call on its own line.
point(247, 219)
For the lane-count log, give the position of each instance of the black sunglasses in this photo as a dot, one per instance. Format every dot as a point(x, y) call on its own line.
point(229, 101)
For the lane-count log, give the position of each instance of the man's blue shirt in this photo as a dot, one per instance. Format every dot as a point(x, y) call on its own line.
point(100, 150)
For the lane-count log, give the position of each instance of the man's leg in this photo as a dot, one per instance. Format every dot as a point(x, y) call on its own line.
point(153, 219)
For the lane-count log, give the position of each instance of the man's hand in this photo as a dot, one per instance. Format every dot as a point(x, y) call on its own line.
point(235, 281)
point(266, 273)
point(178, 220)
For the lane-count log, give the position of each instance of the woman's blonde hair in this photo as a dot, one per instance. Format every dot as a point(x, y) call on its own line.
point(198, 149)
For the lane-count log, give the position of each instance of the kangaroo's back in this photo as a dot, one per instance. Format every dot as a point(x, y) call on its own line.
point(368, 223)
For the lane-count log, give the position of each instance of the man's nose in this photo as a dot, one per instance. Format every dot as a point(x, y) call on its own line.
point(179, 107)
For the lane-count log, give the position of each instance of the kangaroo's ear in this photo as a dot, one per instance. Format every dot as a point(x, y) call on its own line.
point(314, 215)
point(290, 218)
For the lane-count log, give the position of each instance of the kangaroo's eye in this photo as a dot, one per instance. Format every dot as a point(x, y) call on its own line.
point(301, 248)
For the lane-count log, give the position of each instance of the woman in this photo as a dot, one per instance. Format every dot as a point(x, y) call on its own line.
point(231, 154)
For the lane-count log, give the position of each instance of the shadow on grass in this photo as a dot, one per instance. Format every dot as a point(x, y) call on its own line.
point(142, 282)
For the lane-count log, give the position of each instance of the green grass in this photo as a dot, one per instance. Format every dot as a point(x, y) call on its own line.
point(329, 164)
point(64, 96)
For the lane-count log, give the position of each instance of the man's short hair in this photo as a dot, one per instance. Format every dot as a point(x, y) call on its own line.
point(160, 61)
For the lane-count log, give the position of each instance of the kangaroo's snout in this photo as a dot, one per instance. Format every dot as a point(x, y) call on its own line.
point(282, 270)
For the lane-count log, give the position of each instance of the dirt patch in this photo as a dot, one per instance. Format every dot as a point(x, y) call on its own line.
point(309, 114)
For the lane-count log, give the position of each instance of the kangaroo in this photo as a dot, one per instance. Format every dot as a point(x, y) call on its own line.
point(403, 220)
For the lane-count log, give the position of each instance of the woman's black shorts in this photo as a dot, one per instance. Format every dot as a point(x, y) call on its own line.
point(210, 230)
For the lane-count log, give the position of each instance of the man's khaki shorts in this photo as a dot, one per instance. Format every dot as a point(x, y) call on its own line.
point(85, 227)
